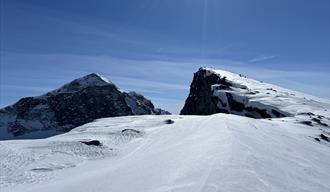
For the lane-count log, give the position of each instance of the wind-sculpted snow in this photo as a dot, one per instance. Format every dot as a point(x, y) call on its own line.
point(33, 161)
point(219, 152)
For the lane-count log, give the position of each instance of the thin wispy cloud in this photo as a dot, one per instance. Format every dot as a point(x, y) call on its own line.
point(261, 58)
point(25, 88)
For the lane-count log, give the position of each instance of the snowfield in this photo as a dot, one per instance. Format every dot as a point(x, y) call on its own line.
point(219, 152)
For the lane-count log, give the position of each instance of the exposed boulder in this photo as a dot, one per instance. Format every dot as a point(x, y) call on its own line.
point(169, 121)
point(131, 133)
point(92, 142)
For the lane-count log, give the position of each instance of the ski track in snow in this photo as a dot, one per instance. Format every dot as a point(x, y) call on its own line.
point(195, 154)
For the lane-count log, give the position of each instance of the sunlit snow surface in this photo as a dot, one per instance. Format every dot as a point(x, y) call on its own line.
point(196, 153)
point(286, 100)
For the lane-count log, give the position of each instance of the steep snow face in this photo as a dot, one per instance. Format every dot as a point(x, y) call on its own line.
point(220, 153)
point(216, 91)
point(76, 103)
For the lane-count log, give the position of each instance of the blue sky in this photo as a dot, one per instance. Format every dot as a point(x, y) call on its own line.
point(154, 46)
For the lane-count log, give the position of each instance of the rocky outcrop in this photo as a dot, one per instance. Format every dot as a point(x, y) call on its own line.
point(141, 105)
point(76, 103)
point(211, 93)
point(201, 100)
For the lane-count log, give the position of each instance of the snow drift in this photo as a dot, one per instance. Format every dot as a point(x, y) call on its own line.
point(220, 152)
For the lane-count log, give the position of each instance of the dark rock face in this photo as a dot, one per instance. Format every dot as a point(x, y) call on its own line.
point(141, 105)
point(87, 105)
point(76, 103)
point(324, 137)
point(309, 123)
point(211, 93)
point(201, 100)
point(159, 111)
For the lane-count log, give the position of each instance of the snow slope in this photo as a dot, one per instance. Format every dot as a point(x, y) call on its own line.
point(286, 100)
point(219, 152)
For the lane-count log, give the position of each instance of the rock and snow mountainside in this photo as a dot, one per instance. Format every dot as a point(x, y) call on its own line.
point(76, 103)
point(216, 91)
point(284, 147)
point(219, 153)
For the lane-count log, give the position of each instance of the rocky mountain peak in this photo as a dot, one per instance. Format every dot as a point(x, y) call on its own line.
point(76, 103)
point(201, 100)
point(218, 91)
point(93, 79)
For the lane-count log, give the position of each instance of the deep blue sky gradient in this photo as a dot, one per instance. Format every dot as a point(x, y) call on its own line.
point(154, 46)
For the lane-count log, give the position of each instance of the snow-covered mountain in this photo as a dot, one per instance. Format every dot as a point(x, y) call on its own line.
point(76, 103)
point(220, 152)
point(217, 91)
point(263, 138)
